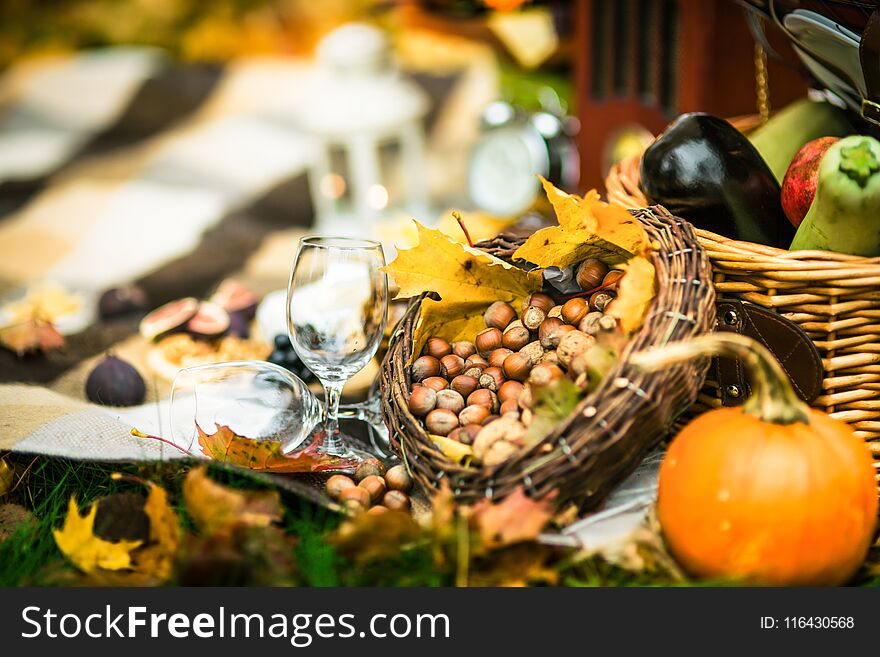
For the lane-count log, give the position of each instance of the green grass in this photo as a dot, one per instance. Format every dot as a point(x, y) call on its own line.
point(30, 557)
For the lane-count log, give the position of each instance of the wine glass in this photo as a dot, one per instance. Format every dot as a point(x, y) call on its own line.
point(337, 302)
point(255, 399)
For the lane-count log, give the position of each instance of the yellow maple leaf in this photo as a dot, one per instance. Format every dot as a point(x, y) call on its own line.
point(76, 539)
point(588, 228)
point(635, 292)
point(157, 558)
point(466, 280)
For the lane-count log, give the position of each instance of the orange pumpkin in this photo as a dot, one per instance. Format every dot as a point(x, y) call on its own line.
point(772, 492)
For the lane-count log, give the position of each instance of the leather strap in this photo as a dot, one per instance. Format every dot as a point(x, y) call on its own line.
point(786, 340)
point(869, 56)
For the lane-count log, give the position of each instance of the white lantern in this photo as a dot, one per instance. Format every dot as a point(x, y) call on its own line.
point(367, 120)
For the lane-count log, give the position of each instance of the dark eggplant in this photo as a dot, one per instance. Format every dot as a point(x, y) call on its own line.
point(704, 170)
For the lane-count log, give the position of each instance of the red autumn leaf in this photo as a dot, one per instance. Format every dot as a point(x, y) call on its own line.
point(266, 455)
point(515, 519)
point(31, 335)
point(263, 455)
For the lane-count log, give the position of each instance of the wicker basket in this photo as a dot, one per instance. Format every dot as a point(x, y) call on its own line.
point(835, 298)
point(611, 429)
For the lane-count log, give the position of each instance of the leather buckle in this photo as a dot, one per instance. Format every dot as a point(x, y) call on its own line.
point(871, 111)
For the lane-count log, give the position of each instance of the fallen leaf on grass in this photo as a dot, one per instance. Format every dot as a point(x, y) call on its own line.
point(515, 519)
point(157, 557)
point(367, 537)
point(215, 508)
point(77, 541)
point(12, 516)
point(588, 228)
point(466, 280)
point(31, 335)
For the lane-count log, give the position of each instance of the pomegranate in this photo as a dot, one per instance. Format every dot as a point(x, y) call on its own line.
point(801, 178)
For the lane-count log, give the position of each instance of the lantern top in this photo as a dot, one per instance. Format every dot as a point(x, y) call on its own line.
point(355, 88)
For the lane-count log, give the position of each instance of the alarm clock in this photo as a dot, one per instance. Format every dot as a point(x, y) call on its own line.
point(515, 146)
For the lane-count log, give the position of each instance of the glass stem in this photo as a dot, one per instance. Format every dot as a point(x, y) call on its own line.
point(332, 441)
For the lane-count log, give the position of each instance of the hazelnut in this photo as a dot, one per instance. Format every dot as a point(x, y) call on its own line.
point(435, 383)
point(336, 484)
point(555, 311)
point(612, 277)
point(572, 344)
point(487, 341)
point(469, 433)
point(554, 335)
point(492, 378)
point(454, 435)
point(397, 478)
point(510, 390)
point(517, 366)
point(489, 419)
point(473, 414)
point(590, 273)
point(367, 467)
point(422, 400)
point(483, 397)
point(377, 510)
point(475, 372)
point(425, 366)
point(607, 323)
point(441, 421)
point(374, 485)
point(476, 361)
point(353, 506)
point(396, 501)
point(510, 406)
point(532, 317)
point(499, 315)
point(359, 495)
point(544, 374)
point(451, 365)
point(464, 349)
point(533, 350)
point(464, 384)
point(590, 323)
point(496, 358)
point(600, 299)
point(550, 356)
point(450, 400)
point(516, 336)
point(574, 310)
point(437, 347)
point(538, 300)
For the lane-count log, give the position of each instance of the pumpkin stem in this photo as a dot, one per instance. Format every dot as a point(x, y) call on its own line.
point(773, 399)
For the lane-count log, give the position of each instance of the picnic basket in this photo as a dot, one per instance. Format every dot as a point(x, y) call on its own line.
point(833, 297)
point(612, 429)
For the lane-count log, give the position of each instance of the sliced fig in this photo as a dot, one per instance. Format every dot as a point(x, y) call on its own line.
point(114, 382)
point(209, 321)
point(234, 297)
point(173, 315)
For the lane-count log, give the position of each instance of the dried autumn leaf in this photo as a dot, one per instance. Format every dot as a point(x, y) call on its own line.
point(635, 292)
point(215, 508)
point(515, 519)
point(466, 280)
point(367, 537)
point(588, 228)
point(31, 335)
point(454, 450)
point(519, 565)
point(157, 557)
point(77, 541)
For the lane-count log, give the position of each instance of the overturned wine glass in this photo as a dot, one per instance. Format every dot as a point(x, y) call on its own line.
point(260, 401)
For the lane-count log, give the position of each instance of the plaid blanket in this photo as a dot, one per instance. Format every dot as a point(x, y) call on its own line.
point(121, 166)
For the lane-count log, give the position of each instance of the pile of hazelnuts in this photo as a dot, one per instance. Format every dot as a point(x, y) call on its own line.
point(479, 393)
point(373, 488)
